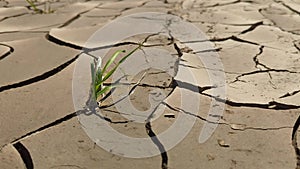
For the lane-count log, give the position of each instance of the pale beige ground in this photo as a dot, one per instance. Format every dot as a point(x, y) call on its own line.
point(258, 42)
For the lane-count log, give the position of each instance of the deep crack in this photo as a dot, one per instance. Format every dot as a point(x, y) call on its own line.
point(47, 126)
point(224, 123)
point(258, 63)
point(297, 46)
point(255, 58)
point(252, 27)
point(288, 7)
point(8, 17)
point(271, 105)
point(260, 71)
point(76, 17)
point(290, 94)
point(294, 141)
point(11, 50)
point(38, 78)
point(234, 38)
point(160, 146)
point(25, 155)
point(62, 43)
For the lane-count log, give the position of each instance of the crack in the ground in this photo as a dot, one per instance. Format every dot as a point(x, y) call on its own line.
point(78, 47)
point(237, 39)
point(38, 78)
point(141, 85)
point(25, 155)
point(262, 129)
point(234, 38)
point(125, 9)
point(256, 61)
point(124, 97)
point(290, 94)
point(177, 109)
point(91, 109)
point(252, 27)
point(266, 70)
point(193, 88)
point(25, 31)
point(8, 17)
point(288, 7)
point(203, 67)
point(89, 112)
point(160, 146)
point(57, 41)
point(47, 126)
point(155, 140)
point(243, 41)
point(275, 25)
point(66, 118)
point(297, 46)
point(208, 50)
point(294, 141)
point(225, 123)
point(33, 30)
point(237, 79)
point(11, 50)
point(68, 22)
point(271, 105)
point(228, 3)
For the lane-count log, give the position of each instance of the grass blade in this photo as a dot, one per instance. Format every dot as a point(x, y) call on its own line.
point(112, 59)
point(32, 5)
point(93, 79)
point(93, 72)
point(98, 87)
point(104, 90)
point(122, 60)
point(110, 72)
point(98, 74)
point(130, 53)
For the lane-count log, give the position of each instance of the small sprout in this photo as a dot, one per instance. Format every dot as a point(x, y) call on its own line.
point(99, 76)
point(31, 3)
point(47, 7)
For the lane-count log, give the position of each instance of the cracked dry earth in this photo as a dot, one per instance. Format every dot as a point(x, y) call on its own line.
point(258, 42)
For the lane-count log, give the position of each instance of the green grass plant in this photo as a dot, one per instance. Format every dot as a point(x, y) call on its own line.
point(47, 8)
point(101, 75)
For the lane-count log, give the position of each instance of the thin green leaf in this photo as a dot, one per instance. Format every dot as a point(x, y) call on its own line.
point(93, 72)
point(110, 73)
point(122, 60)
point(32, 5)
point(112, 59)
point(98, 87)
point(99, 74)
point(93, 78)
point(98, 78)
point(130, 53)
point(104, 90)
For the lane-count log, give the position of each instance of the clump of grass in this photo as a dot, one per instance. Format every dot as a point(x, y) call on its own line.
point(47, 8)
point(99, 76)
point(33, 6)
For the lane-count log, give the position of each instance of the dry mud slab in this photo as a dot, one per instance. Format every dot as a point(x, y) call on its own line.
point(258, 43)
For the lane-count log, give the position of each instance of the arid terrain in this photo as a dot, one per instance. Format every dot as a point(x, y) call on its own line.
point(257, 43)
